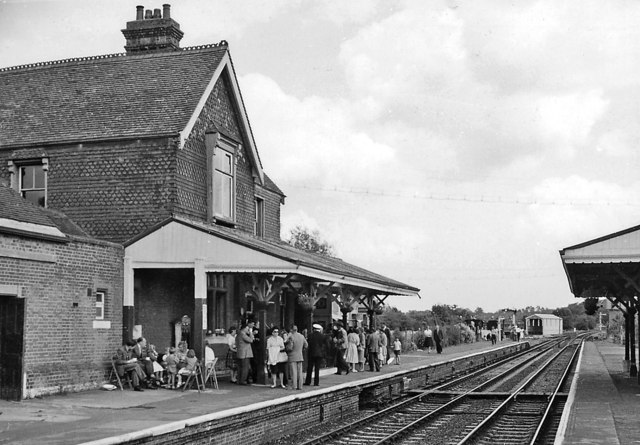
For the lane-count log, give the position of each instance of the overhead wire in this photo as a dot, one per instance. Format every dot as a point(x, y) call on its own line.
point(481, 199)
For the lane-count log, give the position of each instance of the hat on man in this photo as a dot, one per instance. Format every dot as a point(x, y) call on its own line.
point(317, 327)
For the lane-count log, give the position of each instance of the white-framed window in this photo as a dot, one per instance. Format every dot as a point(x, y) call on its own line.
point(100, 300)
point(223, 190)
point(258, 227)
point(29, 178)
point(222, 153)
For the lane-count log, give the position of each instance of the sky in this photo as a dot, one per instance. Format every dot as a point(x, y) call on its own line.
point(453, 146)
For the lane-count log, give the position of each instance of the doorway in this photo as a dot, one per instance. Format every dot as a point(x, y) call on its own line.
point(11, 347)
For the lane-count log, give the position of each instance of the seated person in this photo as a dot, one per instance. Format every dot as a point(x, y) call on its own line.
point(141, 352)
point(158, 369)
point(181, 354)
point(189, 367)
point(126, 363)
point(209, 356)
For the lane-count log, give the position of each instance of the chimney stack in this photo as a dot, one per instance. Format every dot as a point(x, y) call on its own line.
point(156, 32)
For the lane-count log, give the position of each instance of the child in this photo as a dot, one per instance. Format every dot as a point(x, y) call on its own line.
point(397, 347)
point(172, 367)
point(190, 366)
point(158, 370)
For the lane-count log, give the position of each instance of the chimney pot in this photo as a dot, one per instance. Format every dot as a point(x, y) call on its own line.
point(153, 33)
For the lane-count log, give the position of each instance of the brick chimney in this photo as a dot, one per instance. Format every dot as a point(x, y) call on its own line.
point(154, 32)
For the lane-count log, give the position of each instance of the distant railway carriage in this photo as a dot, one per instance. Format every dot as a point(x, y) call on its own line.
point(543, 324)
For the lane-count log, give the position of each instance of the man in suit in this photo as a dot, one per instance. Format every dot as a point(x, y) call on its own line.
point(373, 347)
point(141, 352)
point(126, 363)
point(295, 357)
point(244, 339)
point(315, 355)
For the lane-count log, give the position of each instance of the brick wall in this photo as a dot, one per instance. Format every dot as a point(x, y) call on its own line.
point(161, 298)
point(62, 350)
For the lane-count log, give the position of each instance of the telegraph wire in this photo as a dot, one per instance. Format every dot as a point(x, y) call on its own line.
point(482, 199)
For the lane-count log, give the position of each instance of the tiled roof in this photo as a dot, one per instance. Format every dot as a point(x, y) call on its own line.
point(15, 207)
point(104, 97)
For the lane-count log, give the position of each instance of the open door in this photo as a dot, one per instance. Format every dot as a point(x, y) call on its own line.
point(11, 347)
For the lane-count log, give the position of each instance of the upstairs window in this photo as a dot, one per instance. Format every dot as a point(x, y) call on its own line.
point(223, 196)
point(29, 178)
point(33, 184)
point(259, 222)
point(222, 154)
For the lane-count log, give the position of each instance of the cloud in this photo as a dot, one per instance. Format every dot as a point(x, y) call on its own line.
point(495, 84)
point(312, 140)
point(341, 12)
point(575, 209)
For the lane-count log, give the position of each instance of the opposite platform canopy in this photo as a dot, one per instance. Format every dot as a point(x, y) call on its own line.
point(605, 267)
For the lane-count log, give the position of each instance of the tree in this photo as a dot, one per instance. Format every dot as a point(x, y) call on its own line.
point(302, 238)
point(591, 305)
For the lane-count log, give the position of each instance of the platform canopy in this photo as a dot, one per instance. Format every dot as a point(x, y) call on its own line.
point(605, 267)
point(178, 242)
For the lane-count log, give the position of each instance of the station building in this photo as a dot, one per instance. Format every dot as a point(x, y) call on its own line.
point(142, 208)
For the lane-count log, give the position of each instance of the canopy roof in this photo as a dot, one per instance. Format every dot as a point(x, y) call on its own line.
point(178, 242)
point(605, 267)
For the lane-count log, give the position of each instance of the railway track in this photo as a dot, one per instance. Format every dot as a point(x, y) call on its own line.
point(512, 401)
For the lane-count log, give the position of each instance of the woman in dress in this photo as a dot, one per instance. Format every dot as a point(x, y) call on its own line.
point(351, 356)
point(232, 363)
point(275, 349)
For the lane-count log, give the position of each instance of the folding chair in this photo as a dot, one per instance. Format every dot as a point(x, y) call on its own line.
point(118, 379)
point(210, 373)
point(195, 375)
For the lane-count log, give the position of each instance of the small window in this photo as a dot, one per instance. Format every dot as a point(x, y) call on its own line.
point(100, 298)
point(259, 221)
point(32, 183)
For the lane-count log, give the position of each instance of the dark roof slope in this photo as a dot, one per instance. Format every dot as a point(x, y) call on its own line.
point(15, 207)
point(104, 97)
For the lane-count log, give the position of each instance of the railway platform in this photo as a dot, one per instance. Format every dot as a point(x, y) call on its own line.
point(603, 407)
point(605, 402)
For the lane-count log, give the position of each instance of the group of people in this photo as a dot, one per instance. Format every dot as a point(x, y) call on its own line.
point(354, 348)
point(149, 369)
point(433, 339)
point(284, 353)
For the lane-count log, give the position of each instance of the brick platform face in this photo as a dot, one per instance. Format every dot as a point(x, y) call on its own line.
point(264, 424)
